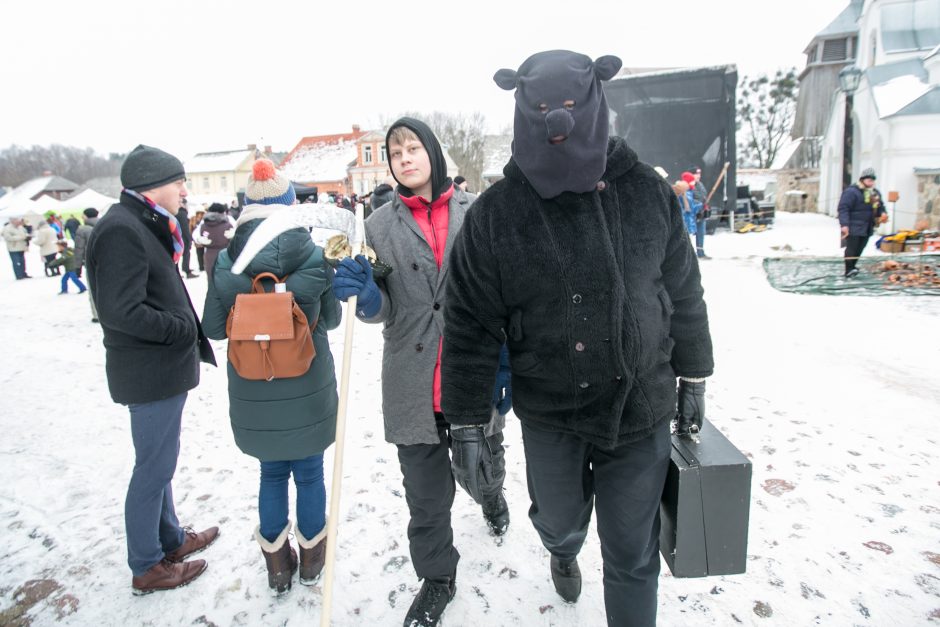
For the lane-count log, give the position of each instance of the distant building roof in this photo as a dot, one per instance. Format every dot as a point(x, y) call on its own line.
point(33, 188)
point(320, 162)
point(314, 140)
point(846, 23)
point(222, 161)
point(880, 74)
point(107, 185)
point(927, 104)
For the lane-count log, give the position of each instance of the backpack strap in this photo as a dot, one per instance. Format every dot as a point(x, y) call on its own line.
point(257, 287)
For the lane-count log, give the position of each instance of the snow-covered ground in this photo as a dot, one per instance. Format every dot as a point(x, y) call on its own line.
point(834, 398)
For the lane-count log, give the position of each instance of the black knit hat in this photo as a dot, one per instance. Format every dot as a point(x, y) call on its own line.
point(147, 167)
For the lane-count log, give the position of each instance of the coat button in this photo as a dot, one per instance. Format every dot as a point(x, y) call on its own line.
point(437, 306)
point(576, 299)
point(419, 347)
point(601, 186)
point(584, 384)
point(619, 377)
point(579, 347)
point(414, 266)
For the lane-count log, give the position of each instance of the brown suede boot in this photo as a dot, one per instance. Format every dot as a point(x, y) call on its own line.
point(312, 556)
point(280, 558)
point(167, 575)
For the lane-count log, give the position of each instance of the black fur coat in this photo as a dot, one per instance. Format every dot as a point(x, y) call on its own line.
point(599, 295)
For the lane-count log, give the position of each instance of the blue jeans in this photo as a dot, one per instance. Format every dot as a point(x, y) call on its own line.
point(700, 236)
point(149, 513)
point(19, 264)
point(77, 281)
point(311, 496)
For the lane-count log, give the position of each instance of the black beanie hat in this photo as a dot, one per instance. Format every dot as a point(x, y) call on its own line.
point(560, 147)
point(439, 180)
point(91, 212)
point(147, 167)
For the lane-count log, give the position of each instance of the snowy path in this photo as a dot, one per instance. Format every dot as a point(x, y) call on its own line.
point(835, 399)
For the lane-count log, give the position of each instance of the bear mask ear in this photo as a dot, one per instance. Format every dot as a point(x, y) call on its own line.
point(506, 79)
point(607, 66)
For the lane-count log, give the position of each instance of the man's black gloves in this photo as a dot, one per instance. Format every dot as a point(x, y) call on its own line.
point(691, 406)
point(472, 460)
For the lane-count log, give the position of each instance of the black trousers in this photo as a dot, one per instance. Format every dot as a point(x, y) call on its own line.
point(186, 257)
point(429, 492)
point(854, 245)
point(201, 258)
point(569, 477)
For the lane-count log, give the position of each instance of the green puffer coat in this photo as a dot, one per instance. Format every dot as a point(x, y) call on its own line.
point(284, 419)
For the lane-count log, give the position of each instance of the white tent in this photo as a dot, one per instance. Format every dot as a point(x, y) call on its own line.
point(26, 209)
point(48, 203)
point(85, 199)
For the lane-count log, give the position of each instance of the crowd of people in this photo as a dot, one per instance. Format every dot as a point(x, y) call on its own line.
point(491, 305)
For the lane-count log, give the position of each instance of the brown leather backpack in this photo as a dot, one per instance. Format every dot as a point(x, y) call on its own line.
point(268, 334)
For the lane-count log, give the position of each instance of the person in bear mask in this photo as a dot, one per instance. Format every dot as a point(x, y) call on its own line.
point(580, 257)
point(414, 234)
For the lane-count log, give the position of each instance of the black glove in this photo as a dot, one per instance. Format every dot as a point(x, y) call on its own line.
point(691, 407)
point(472, 461)
point(502, 391)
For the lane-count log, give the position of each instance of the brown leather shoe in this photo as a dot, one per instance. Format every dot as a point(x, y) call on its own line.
point(166, 575)
point(193, 543)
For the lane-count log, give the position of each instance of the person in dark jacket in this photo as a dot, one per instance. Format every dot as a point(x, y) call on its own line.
point(214, 234)
point(860, 209)
point(71, 226)
point(90, 215)
point(382, 194)
point(580, 257)
point(414, 234)
point(153, 345)
point(285, 423)
point(186, 232)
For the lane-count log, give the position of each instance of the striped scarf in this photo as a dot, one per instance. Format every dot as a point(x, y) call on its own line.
point(175, 232)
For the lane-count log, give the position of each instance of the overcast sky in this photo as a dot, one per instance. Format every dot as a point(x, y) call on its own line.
point(198, 75)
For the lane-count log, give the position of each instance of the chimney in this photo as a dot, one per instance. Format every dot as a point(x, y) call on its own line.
point(252, 146)
point(355, 128)
point(47, 172)
point(267, 149)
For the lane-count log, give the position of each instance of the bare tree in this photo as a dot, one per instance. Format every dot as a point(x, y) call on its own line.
point(462, 135)
point(19, 164)
point(766, 107)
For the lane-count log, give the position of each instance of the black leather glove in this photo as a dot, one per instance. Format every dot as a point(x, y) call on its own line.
point(472, 460)
point(691, 407)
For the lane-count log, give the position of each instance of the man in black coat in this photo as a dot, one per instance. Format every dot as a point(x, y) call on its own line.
point(153, 345)
point(579, 258)
point(182, 217)
point(860, 208)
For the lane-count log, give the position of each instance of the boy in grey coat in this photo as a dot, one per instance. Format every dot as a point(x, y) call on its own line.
point(414, 234)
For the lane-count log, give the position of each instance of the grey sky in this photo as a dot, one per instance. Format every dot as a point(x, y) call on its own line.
point(211, 75)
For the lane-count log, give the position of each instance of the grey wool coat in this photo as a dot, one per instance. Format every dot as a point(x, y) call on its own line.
point(283, 419)
point(413, 314)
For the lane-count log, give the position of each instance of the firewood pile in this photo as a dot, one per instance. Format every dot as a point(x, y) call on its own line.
point(908, 274)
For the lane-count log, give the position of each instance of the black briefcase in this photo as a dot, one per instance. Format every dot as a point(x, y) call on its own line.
point(705, 506)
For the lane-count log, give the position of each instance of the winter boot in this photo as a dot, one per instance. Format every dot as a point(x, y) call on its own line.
point(567, 578)
point(430, 602)
point(280, 558)
point(496, 513)
point(312, 556)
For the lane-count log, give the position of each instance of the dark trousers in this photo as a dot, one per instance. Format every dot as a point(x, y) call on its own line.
point(51, 271)
point(201, 258)
point(700, 236)
point(186, 257)
point(854, 245)
point(567, 474)
point(149, 513)
point(429, 492)
point(18, 258)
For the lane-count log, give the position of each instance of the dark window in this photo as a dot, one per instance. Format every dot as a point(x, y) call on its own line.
point(834, 50)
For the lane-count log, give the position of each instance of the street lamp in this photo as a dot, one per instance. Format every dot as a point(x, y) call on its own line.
point(849, 78)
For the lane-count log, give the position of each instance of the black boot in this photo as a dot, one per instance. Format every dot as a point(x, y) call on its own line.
point(430, 602)
point(496, 513)
point(567, 578)
point(280, 558)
